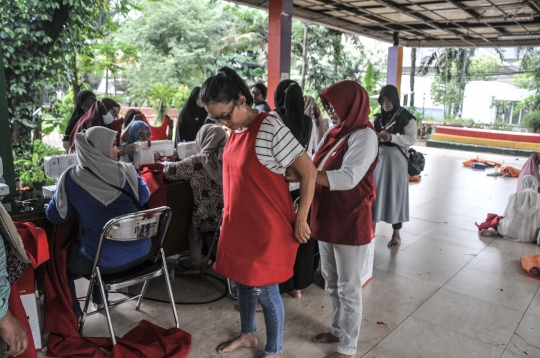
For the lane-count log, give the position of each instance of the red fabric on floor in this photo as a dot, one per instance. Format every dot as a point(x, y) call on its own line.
point(152, 174)
point(492, 220)
point(61, 322)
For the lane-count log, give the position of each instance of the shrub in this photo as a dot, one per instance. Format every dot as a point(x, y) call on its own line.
point(532, 121)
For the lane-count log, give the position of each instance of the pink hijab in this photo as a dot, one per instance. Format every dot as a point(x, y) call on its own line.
point(530, 168)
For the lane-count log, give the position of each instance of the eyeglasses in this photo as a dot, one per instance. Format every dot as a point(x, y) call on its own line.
point(329, 108)
point(224, 117)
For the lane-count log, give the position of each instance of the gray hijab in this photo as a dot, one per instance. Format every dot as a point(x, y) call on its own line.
point(211, 140)
point(93, 149)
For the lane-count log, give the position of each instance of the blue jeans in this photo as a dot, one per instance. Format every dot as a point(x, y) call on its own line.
point(78, 264)
point(274, 313)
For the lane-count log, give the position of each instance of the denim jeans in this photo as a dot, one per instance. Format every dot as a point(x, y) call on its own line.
point(274, 313)
point(78, 264)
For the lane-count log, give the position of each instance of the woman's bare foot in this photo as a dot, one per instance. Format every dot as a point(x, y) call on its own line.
point(341, 355)
point(259, 307)
point(326, 337)
point(396, 239)
point(296, 293)
point(243, 340)
point(193, 270)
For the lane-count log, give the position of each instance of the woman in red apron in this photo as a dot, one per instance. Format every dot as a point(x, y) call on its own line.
point(260, 231)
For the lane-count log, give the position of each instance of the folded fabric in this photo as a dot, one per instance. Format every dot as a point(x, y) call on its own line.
point(531, 264)
point(513, 172)
point(489, 163)
point(492, 220)
point(152, 174)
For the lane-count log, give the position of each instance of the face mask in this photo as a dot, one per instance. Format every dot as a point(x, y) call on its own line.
point(108, 118)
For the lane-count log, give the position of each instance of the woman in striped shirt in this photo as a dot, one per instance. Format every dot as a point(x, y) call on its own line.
point(260, 231)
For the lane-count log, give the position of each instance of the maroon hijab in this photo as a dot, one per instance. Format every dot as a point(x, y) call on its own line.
point(92, 118)
point(351, 102)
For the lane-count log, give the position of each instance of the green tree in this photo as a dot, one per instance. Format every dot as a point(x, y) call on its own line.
point(40, 41)
point(530, 78)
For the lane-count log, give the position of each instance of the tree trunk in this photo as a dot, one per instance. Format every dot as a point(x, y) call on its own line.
point(75, 81)
point(304, 55)
point(114, 83)
point(106, 81)
point(413, 72)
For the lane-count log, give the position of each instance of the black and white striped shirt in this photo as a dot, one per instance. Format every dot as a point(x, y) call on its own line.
point(276, 147)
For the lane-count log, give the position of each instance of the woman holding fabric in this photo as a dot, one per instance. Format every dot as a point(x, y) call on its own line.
point(260, 231)
point(396, 128)
point(191, 118)
point(341, 211)
point(204, 173)
point(85, 100)
point(521, 221)
point(98, 189)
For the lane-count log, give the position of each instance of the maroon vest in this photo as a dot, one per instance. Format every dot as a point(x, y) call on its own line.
point(343, 216)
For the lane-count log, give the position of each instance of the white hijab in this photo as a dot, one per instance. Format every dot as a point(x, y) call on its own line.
point(93, 149)
point(526, 201)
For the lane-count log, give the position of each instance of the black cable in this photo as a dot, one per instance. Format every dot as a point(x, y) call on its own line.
point(178, 303)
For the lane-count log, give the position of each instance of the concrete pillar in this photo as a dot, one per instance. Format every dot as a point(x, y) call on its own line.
point(279, 44)
point(395, 66)
point(5, 131)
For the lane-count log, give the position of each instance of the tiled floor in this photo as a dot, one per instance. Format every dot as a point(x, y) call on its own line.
point(445, 292)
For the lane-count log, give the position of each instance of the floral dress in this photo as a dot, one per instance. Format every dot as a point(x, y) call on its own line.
point(207, 195)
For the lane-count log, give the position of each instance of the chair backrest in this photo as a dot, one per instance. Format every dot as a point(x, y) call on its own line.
point(136, 226)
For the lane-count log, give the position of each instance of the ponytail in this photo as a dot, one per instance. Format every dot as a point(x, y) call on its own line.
point(224, 87)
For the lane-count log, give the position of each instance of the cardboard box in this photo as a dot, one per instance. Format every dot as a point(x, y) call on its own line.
point(27, 292)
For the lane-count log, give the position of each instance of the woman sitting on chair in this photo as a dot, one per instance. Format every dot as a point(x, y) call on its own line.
point(204, 173)
point(98, 189)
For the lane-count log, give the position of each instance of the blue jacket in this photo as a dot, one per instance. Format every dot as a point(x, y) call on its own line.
point(93, 215)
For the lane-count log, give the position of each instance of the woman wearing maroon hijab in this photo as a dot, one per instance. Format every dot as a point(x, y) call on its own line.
point(341, 211)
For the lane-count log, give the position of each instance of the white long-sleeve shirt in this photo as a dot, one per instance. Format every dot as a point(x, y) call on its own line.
point(361, 153)
point(408, 138)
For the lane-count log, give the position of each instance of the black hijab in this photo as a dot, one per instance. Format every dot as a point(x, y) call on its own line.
point(78, 112)
point(289, 101)
point(383, 119)
point(190, 119)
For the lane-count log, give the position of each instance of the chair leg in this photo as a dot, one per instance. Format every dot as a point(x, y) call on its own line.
point(111, 329)
point(205, 266)
point(141, 296)
point(229, 284)
point(87, 302)
point(169, 288)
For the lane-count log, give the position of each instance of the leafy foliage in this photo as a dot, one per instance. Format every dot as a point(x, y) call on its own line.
point(532, 121)
point(30, 171)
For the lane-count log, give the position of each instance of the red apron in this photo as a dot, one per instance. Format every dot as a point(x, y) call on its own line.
point(257, 245)
point(343, 216)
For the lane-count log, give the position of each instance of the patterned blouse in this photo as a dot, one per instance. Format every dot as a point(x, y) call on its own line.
point(207, 195)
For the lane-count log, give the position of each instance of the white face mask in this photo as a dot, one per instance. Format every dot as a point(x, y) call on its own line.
point(108, 118)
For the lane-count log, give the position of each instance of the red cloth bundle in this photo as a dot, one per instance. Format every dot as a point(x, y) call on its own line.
point(492, 221)
point(152, 174)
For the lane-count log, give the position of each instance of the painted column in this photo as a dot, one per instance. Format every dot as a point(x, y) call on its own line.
point(5, 132)
point(279, 44)
point(395, 66)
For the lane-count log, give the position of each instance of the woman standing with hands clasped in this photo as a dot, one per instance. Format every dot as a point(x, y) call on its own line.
point(260, 232)
point(396, 128)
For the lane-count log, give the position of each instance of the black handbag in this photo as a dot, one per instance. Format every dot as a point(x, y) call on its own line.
point(416, 161)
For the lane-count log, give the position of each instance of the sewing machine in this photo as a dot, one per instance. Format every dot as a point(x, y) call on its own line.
point(187, 149)
point(4, 189)
point(54, 166)
point(146, 151)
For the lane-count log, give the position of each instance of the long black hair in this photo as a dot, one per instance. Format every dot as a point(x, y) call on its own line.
point(224, 87)
point(289, 101)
